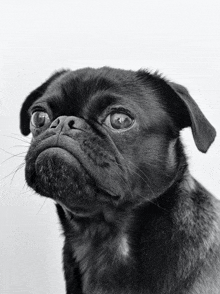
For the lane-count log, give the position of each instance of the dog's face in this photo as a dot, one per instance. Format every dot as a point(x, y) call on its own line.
point(106, 138)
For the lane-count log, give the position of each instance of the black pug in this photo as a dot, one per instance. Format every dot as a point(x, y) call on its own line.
point(106, 148)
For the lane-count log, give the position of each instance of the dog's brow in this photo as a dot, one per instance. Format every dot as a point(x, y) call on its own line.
point(101, 102)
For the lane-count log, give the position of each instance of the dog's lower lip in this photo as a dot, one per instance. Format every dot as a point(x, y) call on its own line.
point(56, 151)
point(55, 144)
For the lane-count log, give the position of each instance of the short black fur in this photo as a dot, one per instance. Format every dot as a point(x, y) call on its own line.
point(134, 220)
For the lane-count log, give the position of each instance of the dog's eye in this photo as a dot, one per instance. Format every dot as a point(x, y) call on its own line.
point(119, 121)
point(39, 119)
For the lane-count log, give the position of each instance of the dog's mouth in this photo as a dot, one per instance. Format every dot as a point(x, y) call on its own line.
point(51, 152)
point(52, 156)
point(69, 178)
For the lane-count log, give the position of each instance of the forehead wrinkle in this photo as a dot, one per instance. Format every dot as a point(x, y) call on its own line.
point(101, 101)
point(79, 90)
point(67, 98)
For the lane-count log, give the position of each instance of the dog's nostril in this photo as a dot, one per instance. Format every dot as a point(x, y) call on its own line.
point(71, 124)
point(55, 123)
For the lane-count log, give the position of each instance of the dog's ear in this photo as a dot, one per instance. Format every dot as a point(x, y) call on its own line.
point(203, 132)
point(32, 97)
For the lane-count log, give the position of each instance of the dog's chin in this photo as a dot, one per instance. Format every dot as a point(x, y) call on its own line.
point(50, 155)
point(57, 174)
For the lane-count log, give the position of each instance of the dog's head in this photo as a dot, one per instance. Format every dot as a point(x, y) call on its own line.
point(103, 138)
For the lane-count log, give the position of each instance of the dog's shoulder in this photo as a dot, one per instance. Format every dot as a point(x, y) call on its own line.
point(209, 277)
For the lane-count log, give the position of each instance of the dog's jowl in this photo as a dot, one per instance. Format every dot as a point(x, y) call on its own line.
point(106, 147)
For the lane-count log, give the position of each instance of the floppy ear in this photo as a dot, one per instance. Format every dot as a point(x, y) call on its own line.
point(203, 132)
point(32, 97)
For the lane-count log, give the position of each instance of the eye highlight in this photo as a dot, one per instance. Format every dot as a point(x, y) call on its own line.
point(39, 119)
point(119, 121)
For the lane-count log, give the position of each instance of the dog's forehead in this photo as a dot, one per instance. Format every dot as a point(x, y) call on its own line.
point(84, 83)
point(90, 89)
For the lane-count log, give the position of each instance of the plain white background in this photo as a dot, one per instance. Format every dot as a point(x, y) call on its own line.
point(179, 38)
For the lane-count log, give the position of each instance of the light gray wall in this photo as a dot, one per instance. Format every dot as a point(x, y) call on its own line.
point(180, 38)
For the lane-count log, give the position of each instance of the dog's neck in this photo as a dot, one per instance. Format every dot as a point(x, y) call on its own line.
point(105, 247)
point(97, 244)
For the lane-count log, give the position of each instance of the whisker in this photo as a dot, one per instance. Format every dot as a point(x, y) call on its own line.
point(10, 152)
point(146, 180)
point(127, 184)
point(137, 173)
point(41, 206)
point(150, 165)
point(15, 146)
point(16, 134)
point(14, 171)
point(17, 169)
point(22, 140)
point(12, 156)
point(27, 190)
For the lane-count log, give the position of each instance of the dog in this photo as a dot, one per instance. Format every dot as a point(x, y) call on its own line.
point(106, 148)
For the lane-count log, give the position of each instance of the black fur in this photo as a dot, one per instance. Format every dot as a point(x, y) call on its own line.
point(134, 219)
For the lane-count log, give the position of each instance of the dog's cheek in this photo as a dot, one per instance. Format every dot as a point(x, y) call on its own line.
point(153, 166)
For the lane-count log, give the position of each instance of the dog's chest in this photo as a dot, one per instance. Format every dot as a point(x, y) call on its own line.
point(100, 259)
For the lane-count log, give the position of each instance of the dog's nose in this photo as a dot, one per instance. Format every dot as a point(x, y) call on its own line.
point(66, 123)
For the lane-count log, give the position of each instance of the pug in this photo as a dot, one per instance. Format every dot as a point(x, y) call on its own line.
point(106, 148)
